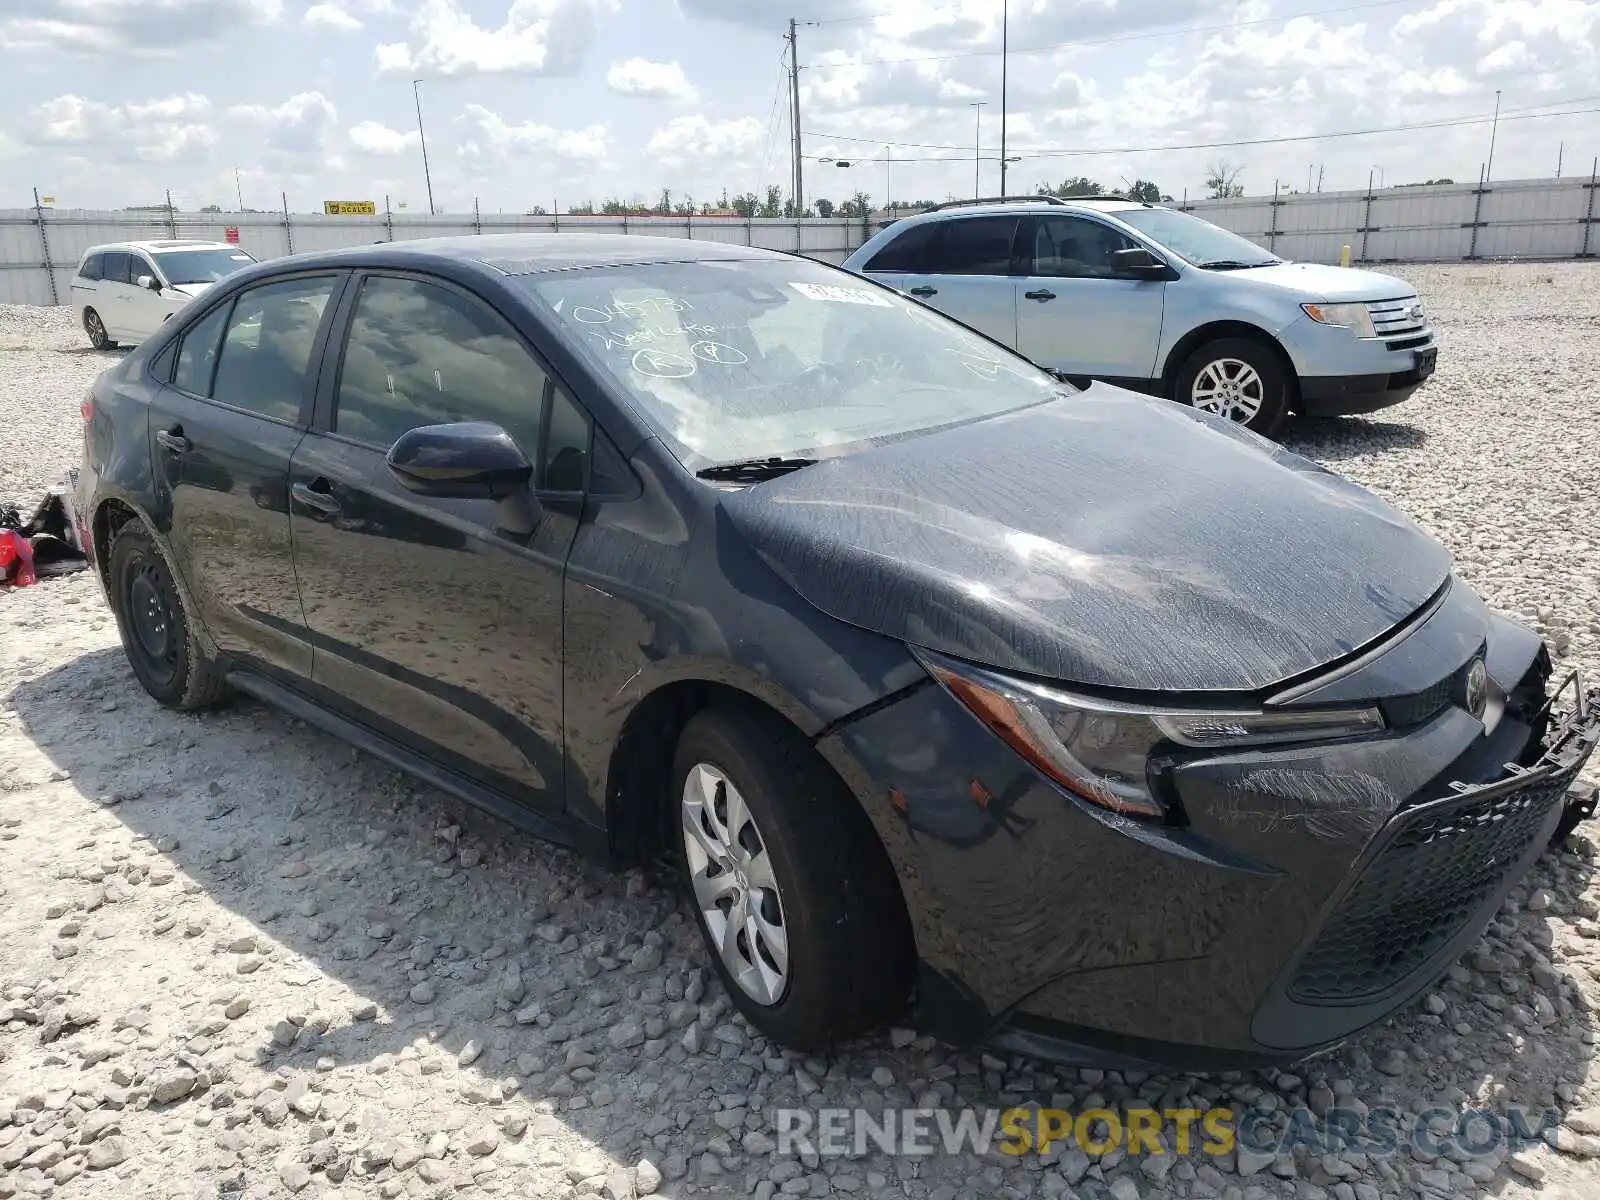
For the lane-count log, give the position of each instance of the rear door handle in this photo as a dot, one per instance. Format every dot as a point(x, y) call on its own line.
point(317, 494)
point(174, 440)
point(1041, 294)
point(924, 290)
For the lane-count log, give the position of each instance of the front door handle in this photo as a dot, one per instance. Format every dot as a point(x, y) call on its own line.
point(1041, 294)
point(317, 494)
point(924, 290)
point(174, 440)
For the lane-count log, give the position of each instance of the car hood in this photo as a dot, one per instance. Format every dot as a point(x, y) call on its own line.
point(1314, 281)
point(1107, 539)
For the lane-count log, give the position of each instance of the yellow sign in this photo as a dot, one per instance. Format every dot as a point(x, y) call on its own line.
point(349, 208)
point(47, 199)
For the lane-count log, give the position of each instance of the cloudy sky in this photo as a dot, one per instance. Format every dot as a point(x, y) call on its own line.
point(109, 102)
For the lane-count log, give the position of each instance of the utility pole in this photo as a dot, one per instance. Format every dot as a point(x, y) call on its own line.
point(1320, 171)
point(888, 186)
point(1493, 129)
point(1561, 150)
point(1005, 48)
point(794, 120)
point(238, 187)
point(977, 150)
point(427, 176)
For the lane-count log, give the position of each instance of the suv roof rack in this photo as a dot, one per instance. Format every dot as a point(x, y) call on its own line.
point(1029, 200)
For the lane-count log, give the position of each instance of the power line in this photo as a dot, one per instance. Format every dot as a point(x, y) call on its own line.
point(1266, 141)
point(1124, 37)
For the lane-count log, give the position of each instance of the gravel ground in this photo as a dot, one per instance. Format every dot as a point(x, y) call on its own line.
point(238, 958)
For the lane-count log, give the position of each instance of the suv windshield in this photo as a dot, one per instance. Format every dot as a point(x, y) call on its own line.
point(730, 361)
point(201, 266)
point(1199, 242)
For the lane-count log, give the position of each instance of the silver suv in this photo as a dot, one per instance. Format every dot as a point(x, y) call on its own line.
point(1160, 301)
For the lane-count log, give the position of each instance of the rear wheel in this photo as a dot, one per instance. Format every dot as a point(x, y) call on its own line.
point(795, 898)
point(96, 329)
point(156, 634)
point(1238, 379)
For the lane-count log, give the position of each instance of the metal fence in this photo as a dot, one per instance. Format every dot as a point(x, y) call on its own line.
point(1523, 218)
point(40, 247)
point(1528, 218)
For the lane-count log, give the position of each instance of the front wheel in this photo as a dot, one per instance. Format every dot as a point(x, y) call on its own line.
point(96, 329)
point(1236, 378)
point(796, 899)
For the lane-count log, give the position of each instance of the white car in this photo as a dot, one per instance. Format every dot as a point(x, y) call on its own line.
point(124, 291)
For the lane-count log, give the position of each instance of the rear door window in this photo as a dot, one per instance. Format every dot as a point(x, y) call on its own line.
point(977, 246)
point(264, 364)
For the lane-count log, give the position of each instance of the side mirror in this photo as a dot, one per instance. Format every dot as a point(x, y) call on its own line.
point(148, 282)
point(467, 461)
point(1138, 263)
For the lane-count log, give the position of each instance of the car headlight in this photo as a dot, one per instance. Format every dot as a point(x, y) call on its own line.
point(1101, 750)
point(1353, 317)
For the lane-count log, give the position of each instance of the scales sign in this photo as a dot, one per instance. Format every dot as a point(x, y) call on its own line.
point(349, 208)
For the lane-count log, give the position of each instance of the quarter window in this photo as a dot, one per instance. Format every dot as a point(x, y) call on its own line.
point(93, 267)
point(1075, 248)
point(197, 354)
point(264, 365)
point(419, 354)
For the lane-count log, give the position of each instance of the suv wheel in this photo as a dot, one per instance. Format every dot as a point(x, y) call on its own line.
point(156, 634)
point(1236, 378)
point(795, 898)
point(96, 329)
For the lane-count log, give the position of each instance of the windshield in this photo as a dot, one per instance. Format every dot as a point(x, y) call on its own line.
point(730, 361)
point(201, 266)
point(1200, 242)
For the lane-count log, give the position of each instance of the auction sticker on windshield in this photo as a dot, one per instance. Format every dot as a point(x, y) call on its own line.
point(840, 295)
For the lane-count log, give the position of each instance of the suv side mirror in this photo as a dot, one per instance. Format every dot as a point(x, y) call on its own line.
point(1138, 263)
point(148, 282)
point(471, 460)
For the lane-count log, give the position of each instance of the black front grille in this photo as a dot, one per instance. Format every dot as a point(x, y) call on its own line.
point(1410, 343)
point(1438, 865)
point(1403, 711)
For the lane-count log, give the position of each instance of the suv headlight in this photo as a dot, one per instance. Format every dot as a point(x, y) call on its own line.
point(1101, 750)
point(1353, 317)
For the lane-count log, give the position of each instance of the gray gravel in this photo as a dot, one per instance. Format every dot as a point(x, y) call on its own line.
point(238, 958)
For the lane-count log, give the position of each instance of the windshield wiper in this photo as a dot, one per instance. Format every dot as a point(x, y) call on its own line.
point(1233, 264)
point(753, 470)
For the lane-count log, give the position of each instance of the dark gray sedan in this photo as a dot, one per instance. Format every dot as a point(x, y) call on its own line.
point(1076, 722)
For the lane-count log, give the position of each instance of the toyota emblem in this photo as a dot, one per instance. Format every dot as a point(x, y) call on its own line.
point(1477, 688)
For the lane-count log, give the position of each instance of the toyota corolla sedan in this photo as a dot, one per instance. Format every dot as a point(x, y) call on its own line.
point(947, 688)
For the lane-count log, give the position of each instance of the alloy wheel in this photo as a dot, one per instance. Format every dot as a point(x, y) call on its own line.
point(1228, 387)
point(96, 329)
point(734, 885)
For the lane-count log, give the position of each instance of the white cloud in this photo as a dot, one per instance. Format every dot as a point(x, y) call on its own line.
point(538, 37)
point(685, 139)
point(489, 136)
point(331, 16)
point(376, 138)
point(159, 131)
point(145, 27)
point(658, 80)
point(299, 133)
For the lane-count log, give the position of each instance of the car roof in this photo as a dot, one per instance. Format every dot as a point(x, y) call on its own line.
point(535, 253)
point(156, 247)
point(1083, 203)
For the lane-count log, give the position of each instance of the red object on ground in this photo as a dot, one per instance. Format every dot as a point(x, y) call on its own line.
point(16, 559)
point(231, 234)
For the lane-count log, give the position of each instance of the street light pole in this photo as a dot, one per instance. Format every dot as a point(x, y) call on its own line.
point(1493, 129)
point(977, 150)
point(427, 176)
point(239, 187)
point(1005, 46)
point(888, 186)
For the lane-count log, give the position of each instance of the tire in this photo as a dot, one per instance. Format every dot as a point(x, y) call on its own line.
point(1246, 377)
point(156, 633)
point(850, 959)
point(96, 329)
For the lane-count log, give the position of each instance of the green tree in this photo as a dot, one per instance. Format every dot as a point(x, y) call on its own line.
point(746, 204)
point(824, 208)
point(586, 209)
point(1145, 191)
point(772, 206)
point(1222, 180)
point(1077, 185)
